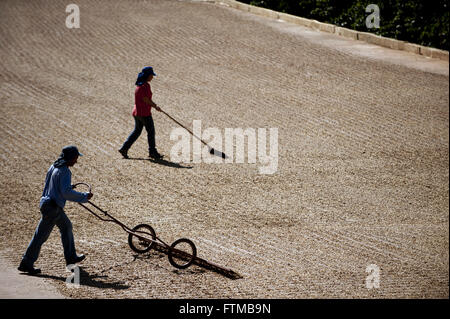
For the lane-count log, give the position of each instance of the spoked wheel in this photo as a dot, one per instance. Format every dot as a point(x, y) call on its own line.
point(145, 243)
point(182, 253)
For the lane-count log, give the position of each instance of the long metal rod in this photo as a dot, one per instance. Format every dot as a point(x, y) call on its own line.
point(124, 227)
point(114, 220)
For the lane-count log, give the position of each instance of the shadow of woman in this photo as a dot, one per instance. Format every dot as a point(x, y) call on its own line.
point(160, 162)
point(90, 280)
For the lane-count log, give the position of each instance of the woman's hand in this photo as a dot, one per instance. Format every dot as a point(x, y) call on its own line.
point(152, 104)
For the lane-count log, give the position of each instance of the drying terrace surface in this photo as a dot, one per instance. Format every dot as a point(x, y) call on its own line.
point(362, 175)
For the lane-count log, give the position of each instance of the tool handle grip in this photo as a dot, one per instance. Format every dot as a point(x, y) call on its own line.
point(75, 185)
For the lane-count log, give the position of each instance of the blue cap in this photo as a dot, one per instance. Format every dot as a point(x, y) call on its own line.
point(144, 74)
point(148, 70)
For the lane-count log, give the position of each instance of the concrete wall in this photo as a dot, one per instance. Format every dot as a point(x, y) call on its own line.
point(344, 32)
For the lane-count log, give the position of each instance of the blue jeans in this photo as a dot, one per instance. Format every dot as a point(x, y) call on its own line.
point(52, 215)
point(139, 123)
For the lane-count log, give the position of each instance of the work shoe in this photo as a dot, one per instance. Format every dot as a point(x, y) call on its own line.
point(28, 269)
point(155, 155)
point(124, 153)
point(77, 259)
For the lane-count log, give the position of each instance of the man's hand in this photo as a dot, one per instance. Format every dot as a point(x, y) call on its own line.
point(89, 196)
point(157, 108)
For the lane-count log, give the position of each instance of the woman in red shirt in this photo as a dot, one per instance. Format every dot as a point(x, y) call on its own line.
point(142, 113)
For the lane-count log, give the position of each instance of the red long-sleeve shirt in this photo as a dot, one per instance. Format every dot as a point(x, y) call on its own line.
point(140, 107)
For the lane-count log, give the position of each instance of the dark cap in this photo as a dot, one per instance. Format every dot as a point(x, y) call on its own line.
point(148, 70)
point(70, 152)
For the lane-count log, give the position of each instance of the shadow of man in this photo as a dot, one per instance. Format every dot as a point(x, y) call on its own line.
point(89, 280)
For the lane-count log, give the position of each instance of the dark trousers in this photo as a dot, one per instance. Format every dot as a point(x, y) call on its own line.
point(139, 123)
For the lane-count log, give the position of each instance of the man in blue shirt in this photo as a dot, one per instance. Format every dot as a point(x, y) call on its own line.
point(57, 190)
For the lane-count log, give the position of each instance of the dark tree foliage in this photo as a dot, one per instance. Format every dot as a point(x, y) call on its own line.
point(425, 22)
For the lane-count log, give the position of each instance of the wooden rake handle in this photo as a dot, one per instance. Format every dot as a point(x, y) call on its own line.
point(170, 117)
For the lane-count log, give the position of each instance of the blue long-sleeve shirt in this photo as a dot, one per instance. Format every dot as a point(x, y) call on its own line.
point(59, 188)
